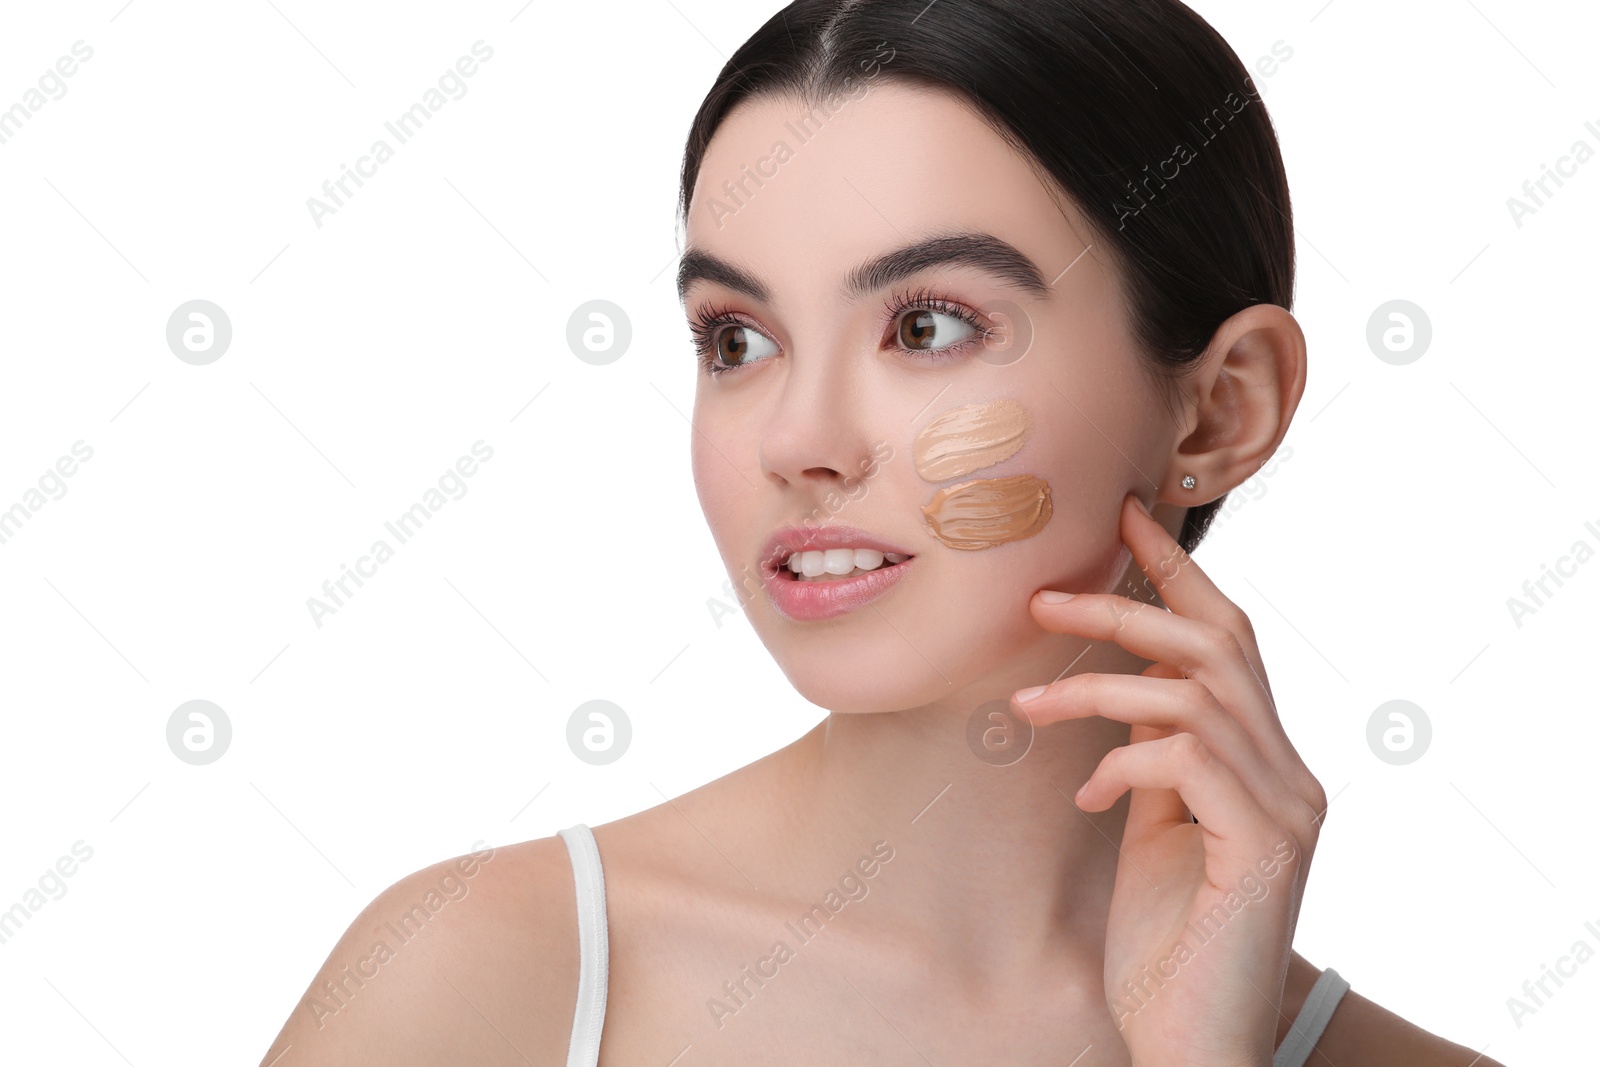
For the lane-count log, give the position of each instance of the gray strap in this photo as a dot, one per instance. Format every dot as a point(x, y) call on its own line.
point(1312, 1020)
point(588, 1019)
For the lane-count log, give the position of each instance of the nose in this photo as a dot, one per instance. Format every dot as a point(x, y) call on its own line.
point(816, 433)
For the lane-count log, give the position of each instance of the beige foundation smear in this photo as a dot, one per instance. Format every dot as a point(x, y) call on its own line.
point(982, 512)
point(970, 438)
point(989, 511)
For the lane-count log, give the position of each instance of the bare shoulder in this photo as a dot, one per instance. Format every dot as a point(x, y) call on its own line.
point(1361, 1033)
point(472, 959)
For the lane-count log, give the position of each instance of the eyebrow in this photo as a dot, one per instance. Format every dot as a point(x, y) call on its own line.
point(982, 251)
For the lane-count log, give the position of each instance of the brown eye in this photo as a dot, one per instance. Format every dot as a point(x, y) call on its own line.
point(918, 327)
point(737, 345)
point(732, 345)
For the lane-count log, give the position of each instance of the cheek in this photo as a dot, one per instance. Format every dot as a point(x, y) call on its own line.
point(1025, 503)
point(976, 511)
point(985, 512)
point(716, 481)
point(705, 483)
point(1081, 548)
point(1078, 550)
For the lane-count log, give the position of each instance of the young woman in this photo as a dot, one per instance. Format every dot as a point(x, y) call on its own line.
point(989, 299)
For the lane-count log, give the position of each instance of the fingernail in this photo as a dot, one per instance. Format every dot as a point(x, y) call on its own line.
point(1052, 596)
point(1028, 693)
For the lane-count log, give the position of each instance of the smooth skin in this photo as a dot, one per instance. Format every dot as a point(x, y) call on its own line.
point(1205, 739)
point(1008, 917)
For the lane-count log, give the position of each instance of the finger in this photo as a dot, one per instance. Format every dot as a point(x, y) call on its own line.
point(1188, 591)
point(1199, 649)
point(1183, 585)
point(1182, 763)
point(1175, 706)
point(1142, 733)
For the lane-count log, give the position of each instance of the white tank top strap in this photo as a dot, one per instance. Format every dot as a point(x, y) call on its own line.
point(594, 952)
point(593, 946)
point(1312, 1020)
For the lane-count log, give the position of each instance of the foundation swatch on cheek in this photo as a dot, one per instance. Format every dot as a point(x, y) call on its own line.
point(970, 438)
point(989, 511)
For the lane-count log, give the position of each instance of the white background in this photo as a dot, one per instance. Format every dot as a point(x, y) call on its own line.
point(430, 312)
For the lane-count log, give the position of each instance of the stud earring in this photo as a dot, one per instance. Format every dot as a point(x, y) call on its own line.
point(1188, 481)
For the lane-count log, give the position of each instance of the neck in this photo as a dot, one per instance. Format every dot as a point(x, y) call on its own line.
point(993, 864)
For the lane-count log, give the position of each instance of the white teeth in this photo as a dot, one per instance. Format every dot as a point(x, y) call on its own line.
point(868, 558)
point(840, 561)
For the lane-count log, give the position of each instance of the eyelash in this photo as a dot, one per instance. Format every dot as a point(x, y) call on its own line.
point(705, 325)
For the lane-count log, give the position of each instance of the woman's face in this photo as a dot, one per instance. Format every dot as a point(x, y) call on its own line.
point(862, 399)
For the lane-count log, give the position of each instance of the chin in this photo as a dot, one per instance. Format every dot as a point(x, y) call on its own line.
point(860, 663)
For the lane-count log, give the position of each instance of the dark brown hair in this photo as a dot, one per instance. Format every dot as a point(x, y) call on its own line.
point(1138, 110)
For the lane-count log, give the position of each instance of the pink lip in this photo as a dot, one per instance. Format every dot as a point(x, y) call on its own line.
point(814, 601)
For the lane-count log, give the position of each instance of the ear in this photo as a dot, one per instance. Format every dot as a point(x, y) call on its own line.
point(1237, 403)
